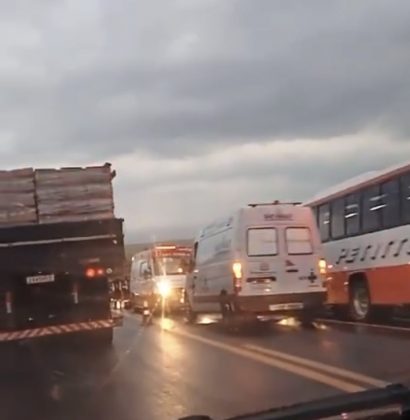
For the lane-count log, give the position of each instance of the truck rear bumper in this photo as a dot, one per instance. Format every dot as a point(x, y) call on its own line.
point(289, 303)
point(60, 329)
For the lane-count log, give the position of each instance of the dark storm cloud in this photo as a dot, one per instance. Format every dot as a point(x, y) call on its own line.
point(181, 77)
point(205, 105)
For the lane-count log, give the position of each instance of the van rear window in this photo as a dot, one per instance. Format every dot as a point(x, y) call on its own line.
point(262, 242)
point(299, 241)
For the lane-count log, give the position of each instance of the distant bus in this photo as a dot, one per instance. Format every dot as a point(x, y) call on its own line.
point(364, 225)
point(159, 273)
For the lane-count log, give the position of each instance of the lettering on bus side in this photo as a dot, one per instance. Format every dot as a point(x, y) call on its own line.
point(373, 252)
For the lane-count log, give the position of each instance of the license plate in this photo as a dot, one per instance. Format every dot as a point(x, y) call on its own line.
point(45, 278)
point(286, 306)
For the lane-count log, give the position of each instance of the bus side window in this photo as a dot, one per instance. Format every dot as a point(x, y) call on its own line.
point(324, 222)
point(391, 201)
point(352, 214)
point(405, 198)
point(143, 270)
point(337, 224)
point(372, 206)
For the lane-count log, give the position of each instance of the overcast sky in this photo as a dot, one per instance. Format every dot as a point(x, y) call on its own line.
point(205, 105)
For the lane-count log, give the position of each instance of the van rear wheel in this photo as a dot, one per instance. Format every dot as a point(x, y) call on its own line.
point(228, 313)
point(190, 315)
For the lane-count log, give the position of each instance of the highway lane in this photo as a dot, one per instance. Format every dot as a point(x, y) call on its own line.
point(156, 373)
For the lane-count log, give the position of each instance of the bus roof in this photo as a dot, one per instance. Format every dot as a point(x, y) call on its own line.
point(358, 182)
point(164, 249)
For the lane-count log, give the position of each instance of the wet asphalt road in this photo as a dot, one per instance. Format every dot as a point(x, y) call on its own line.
point(167, 373)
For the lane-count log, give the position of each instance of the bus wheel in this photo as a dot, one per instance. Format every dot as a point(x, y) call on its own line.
point(359, 303)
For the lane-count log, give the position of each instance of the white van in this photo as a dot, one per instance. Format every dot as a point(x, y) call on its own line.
point(159, 273)
point(262, 260)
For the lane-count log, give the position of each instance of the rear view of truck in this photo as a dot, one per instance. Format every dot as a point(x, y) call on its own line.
point(60, 246)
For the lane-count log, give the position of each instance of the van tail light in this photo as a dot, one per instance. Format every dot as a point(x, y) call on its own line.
point(322, 266)
point(94, 272)
point(237, 276)
point(237, 270)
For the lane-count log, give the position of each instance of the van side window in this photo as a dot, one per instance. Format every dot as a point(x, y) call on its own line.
point(299, 241)
point(192, 262)
point(262, 242)
point(195, 251)
point(204, 251)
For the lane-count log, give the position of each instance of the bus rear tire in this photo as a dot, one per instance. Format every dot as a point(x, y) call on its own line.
point(360, 306)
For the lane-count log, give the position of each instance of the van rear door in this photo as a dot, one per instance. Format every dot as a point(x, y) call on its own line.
point(263, 266)
point(301, 260)
point(280, 260)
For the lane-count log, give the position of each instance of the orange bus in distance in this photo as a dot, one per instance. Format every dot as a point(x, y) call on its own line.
point(365, 230)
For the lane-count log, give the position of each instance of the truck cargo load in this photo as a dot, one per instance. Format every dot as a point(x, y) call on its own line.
point(60, 247)
point(30, 196)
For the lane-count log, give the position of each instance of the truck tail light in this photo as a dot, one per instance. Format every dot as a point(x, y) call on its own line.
point(237, 276)
point(75, 293)
point(8, 300)
point(322, 266)
point(93, 272)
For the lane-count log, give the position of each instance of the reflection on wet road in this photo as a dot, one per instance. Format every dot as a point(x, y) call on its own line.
point(169, 371)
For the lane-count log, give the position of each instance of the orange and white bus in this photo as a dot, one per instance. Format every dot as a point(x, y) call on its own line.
point(365, 230)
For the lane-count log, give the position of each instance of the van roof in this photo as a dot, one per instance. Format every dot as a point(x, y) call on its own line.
point(280, 212)
point(276, 211)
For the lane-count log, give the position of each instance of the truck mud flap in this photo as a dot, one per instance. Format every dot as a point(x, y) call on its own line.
point(59, 329)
